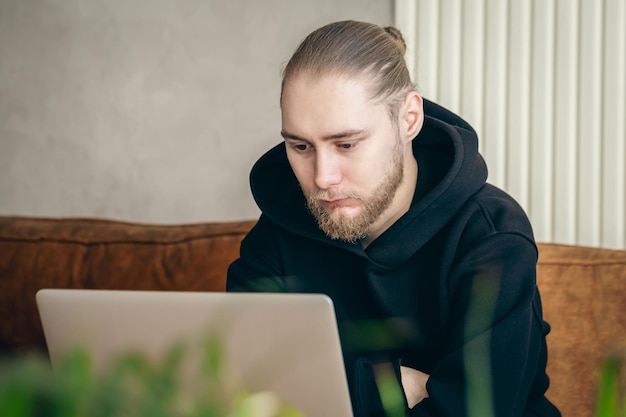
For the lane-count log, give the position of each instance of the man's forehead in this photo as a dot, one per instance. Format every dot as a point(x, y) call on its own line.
point(305, 80)
point(329, 107)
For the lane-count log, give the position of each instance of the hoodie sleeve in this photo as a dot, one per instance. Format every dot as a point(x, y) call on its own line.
point(496, 342)
point(257, 269)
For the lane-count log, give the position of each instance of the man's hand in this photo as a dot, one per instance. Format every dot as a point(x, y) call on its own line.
point(414, 384)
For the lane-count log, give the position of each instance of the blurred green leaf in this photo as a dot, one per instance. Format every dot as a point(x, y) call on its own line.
point(15, 401)
point(133, 385)
point(390, 390)
point(611, 400)
point(213, 357)
point(289, 411)
point(608, 392)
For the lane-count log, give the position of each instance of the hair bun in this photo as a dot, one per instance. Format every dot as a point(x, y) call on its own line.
point(397, 37)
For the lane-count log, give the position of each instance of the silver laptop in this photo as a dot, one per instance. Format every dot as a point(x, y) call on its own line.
point(287, 344)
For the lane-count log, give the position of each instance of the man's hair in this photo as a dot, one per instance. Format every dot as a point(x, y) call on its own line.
point(351, 48)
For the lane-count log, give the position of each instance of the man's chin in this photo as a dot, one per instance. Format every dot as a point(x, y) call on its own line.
point(341, 222)
point(342, 227)
point(335, 232)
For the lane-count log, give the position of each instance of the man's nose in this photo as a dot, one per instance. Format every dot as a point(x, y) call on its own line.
point(327, 171)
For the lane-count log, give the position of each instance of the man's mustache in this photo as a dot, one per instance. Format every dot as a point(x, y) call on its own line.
point(325, 195)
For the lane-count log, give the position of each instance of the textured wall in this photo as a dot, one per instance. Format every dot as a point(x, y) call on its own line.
point(146, 110)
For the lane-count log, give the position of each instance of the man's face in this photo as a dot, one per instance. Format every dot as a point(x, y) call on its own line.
point(345, 152)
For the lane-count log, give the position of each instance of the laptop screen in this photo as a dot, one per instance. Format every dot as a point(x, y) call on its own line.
point(287, 344)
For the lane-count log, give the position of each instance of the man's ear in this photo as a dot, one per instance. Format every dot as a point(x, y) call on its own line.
point(412, 115)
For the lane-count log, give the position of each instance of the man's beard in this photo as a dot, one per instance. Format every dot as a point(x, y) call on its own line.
point(352, 229)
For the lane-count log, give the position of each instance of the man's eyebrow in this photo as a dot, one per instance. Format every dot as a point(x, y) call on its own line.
point(287, 135)
point(340, 135)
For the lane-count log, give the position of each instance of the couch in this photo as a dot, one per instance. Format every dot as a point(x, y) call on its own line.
point(583, 289)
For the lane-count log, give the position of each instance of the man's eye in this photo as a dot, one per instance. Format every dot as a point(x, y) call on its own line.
point(301, 147)
point(348, 145)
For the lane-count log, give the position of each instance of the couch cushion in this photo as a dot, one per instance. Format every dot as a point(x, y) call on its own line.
point(584, 300)
point(583, 289)
point(88, 253)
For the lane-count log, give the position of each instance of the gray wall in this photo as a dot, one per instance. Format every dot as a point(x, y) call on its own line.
point(146, 110)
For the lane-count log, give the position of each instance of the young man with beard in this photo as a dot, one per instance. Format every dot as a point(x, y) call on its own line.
point(378, 198)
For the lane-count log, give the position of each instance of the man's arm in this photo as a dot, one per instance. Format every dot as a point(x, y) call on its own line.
point(257, 269)
point(494, 334)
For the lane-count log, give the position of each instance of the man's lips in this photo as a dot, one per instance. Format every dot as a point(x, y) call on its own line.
point(336, 201)
point(339, 202)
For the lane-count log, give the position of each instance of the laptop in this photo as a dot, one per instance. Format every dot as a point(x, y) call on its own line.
point(287, 344)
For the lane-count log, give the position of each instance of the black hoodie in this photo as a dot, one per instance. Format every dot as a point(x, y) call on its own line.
point(449, 289)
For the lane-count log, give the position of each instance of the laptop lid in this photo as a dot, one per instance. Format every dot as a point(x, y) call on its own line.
point(284, 343)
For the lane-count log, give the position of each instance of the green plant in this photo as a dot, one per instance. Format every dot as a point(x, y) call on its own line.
point(611, 388)
point(132, 386)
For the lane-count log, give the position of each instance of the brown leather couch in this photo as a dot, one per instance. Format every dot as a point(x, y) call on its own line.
point(583, 289)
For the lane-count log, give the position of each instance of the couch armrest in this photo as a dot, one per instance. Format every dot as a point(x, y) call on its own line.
point(584, 300)
point(37, 253)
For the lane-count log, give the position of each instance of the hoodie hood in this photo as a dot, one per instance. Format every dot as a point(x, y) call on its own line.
point(450, 171)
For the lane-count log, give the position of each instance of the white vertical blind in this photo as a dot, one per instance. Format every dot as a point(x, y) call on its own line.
point(544, 84)
point(590, 121)
point(473, 45)
point(542, 118)
point(494, 85)
point(564, 174)
point(517, 165)
point(450, 64)
point(612, 217)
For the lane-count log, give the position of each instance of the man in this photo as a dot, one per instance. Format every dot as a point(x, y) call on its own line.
point(378, 198)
